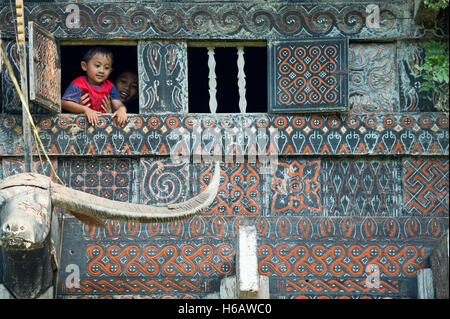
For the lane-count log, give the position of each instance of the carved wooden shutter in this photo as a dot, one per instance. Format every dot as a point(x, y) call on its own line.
point(309, 75)
point(45, 68)
point(162, 76)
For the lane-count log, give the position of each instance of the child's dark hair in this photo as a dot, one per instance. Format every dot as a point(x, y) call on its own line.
point(94, 50)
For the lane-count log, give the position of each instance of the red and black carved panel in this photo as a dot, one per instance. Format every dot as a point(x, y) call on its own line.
point(164, 182)
point(240, 189)
point(302, 269)
point(296, 188)
point(308, 75)
point(10, 99)
point(138, 266)
point(426, 185)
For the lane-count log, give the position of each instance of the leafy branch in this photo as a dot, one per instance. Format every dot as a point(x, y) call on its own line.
point(434, 73)
point(436, 4)
point(434, 70)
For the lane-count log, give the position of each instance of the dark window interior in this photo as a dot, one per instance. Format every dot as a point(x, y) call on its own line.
point(227, 95)
point(125, 58)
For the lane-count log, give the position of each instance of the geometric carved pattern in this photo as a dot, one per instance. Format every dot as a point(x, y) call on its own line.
point(312, 269)
point(296, 188)
point(339, 260)
point(110, 179)
point(163, 259)
point(426, 187)
point(372, 78)
point(239, 191)
point(285, 227)
point(11, 101)
point(115, 267)
point(361, 188)
point(333, 287)
point(308, 75)
point(367, 134)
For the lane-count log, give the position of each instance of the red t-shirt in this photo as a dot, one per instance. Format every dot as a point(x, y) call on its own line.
point(80, 86)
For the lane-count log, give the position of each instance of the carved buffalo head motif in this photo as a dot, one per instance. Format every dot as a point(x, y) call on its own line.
point(26, 203)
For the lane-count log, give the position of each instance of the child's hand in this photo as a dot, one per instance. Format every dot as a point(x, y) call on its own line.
point(107, 104)
point(121, 116)
point(92, 116)
point(84, 100)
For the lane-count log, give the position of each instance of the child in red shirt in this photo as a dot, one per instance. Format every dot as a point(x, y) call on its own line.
point(97, 63)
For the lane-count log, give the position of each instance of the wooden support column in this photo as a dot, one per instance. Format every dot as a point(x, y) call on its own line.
point(21, 48)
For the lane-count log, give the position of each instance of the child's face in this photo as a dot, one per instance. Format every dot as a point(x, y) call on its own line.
point(98, 68)
point(127, 86)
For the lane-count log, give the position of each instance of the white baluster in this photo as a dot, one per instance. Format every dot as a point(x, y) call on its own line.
point(212, 80)
point(241, 80)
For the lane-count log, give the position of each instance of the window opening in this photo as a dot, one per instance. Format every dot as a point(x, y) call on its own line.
point(125, 59)
point(226, 76)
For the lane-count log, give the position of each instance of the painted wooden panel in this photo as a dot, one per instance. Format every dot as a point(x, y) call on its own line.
point(308, 75)
point(426, 186)
point(162, 76)
point(44, 68)
point(364, 134)
point(373, 79)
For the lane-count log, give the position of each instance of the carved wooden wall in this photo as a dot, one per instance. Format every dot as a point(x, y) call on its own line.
point(368, 186)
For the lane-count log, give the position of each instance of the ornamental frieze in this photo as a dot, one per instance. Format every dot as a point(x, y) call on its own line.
point(220, 20)
point(235, 136)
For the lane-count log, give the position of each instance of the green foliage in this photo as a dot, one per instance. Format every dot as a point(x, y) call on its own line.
point(436, 4)
point(434, 73)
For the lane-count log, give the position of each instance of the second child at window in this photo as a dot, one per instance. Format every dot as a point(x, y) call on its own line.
point(97, 63)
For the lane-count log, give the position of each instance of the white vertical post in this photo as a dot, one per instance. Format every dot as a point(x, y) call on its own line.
point(241, 79)
point(212, 80)
point(425, 284)
point(247, 280)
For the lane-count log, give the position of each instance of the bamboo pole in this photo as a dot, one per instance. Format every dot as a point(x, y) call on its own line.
point(21, 49)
